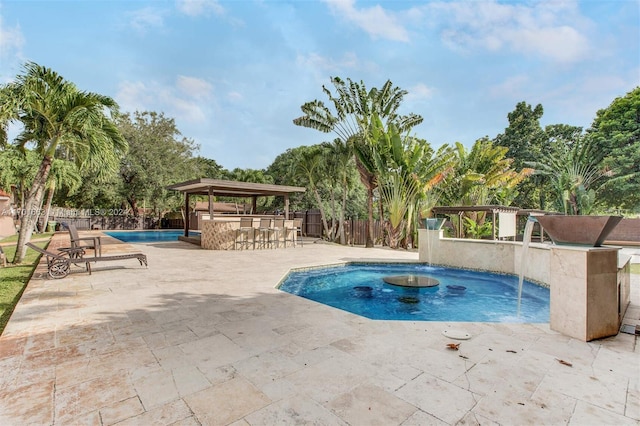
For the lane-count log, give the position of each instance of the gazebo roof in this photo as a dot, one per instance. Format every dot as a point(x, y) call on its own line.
point(231, 188)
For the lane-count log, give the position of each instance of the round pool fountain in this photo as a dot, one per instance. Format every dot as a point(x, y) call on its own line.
point(411, 280)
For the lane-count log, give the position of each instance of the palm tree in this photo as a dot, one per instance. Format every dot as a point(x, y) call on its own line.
point(481, 176)
point(17, 169)
point(55, 114)
point(354, 108)
point(408, 171)
point(576, 171)
point(310, 167)
point(64, 174)
point(338, 159)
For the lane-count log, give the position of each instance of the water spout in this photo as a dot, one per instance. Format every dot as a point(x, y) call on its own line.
point(526, 239)
point(432, 224)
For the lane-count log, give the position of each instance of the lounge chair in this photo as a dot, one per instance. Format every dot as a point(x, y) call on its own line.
point(59, 264)
point(77, 241)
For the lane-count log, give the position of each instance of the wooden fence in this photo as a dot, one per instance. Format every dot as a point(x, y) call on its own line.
point(355, 229)
point(105, 222)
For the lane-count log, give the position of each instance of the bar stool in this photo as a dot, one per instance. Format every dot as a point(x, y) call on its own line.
point(276, 232)
point(245, 235)
point(262, 232)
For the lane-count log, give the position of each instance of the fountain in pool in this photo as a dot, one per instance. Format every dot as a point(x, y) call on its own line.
point(432, 224)
point(589, 283)
point(526, 239)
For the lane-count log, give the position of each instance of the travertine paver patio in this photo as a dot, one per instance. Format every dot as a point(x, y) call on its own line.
point(203, 337)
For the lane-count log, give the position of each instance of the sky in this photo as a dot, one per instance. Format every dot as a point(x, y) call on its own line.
point(234, 74)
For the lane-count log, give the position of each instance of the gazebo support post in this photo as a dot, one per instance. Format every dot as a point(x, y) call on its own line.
point(186, 214)
point(210, 193)
point(286, 206)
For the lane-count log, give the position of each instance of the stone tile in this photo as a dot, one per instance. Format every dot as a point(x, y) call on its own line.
point(167, 414)
point(420, 418)
point(226, 402)
point(438, 398)
point(487, 376)
point(588, 414)
point(265, 368)
point(75, 401)
point(121, 410)
point(216, 374)
point(10, 368)
point(155, 386)
point(279, 389)
point(172, 337)
point(217, 349)
point(506, 406)
point(371, 405)
point(79, 370)
point(161, 327)
point(604, 392)
point(633, 399)
point(326, 379)
point(298, 410)
point(624, 364)
point(189, 421)
point(476, 420)
point(171, 357)
point(188, 379)
point(30, 404)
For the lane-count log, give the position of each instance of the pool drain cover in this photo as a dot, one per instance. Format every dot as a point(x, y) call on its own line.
point(408, 299)
point(456, 334)
point(411, 281)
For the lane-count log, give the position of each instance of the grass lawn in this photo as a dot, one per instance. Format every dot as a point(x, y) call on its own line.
point(635, 268)
point(13, 279)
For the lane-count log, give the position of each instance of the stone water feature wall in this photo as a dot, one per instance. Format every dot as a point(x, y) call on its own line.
point(589, 286)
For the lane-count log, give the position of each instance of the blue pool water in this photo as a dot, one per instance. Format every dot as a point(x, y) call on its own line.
point(462, 295)
point(153, 236)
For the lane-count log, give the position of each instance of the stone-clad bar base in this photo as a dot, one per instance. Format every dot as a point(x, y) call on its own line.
point(589, 286)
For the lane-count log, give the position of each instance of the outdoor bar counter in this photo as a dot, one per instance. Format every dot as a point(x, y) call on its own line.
point(221, 232)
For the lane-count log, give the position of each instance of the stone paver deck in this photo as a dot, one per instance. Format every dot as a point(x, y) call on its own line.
point(204, 338)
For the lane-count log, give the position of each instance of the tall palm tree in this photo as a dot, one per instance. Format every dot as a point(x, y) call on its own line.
point(55, 114)
point(310, 167)
point(576, 171)
point(354, 107)
point(63, 174)
point(338, 159)
point(407, 171)
point(479, 177)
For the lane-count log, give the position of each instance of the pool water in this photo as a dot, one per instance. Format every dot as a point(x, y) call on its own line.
point(152, 236)
point(462, 295)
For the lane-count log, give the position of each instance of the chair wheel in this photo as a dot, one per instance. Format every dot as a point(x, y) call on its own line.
point(59, 269)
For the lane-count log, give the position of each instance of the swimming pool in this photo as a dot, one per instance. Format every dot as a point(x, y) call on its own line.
point(150, 236)
point(461, 295)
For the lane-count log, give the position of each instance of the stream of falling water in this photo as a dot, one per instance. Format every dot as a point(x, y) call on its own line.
point(526, 239)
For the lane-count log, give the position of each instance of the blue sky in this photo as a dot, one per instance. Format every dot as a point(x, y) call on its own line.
point(233, 74)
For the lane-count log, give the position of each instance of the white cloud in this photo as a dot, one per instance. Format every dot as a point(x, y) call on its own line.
point(325, 64)
point(376, 21)
point(419, 92)
point(554, 30)
point(175, 101)
point(199, 7)
point(513, 87)
point(11, 41)
point(143, 19)
point(235, 96)
point(194, 87)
